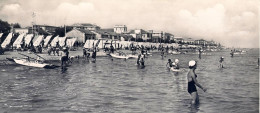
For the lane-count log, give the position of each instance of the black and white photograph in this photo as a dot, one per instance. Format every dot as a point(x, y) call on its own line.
point(129, 56)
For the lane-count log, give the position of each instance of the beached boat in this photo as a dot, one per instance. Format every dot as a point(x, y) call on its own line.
point(116, 55)
point(33, 63)
point(102, 54)
point(239, 53)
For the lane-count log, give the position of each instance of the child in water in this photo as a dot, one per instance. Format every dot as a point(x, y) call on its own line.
point(169, 63)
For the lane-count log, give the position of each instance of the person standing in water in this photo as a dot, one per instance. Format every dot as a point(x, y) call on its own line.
point(192, 82)
point(200, 51)
point(141, 58)
point(64, 57)
point(232, 53)
point(94, 54)
point(162, 53)
point(221, 62)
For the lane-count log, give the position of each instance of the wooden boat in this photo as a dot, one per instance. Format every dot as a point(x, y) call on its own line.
point(33, 63)
point(132, 56)
point(116, 55)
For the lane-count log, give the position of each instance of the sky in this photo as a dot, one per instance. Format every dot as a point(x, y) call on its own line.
point(233, 23)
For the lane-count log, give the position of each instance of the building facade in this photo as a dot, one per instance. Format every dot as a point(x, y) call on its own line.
point(21, 30)
point(81, 35)
point(86, 26)
point(141, 34)
point(45, 28)
point(120, 29)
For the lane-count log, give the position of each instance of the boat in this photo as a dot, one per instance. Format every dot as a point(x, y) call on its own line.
point(33, 63)
point(118, 55)
point(102, 54)
point(132, 56)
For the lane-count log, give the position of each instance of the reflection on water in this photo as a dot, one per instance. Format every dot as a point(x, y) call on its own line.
point(121, 86)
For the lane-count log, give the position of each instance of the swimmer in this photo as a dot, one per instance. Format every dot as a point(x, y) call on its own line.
point(192, 82)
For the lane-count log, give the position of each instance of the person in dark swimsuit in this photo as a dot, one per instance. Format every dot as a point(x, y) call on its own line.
point(192, 82)
point(191, 86)
point(169, 63)
point(221, 62)
point(94, 55)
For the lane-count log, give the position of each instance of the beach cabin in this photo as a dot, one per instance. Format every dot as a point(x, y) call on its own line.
point(70, 42)
point(46, 41)
point(28, 39)
point(62, 41)
point(38, 40)
point(1, 34)
point(19, 41)
point(55, 41)
point(91, 44)
point(7, 40)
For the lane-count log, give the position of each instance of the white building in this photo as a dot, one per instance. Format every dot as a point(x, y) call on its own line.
point(120, 29)
point(21, 30)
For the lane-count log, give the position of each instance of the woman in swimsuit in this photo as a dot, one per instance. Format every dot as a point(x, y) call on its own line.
point(192, 81)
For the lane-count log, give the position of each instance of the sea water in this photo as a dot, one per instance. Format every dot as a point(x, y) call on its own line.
point(120, 86)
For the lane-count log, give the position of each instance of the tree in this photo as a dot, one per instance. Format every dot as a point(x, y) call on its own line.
point(16, 25)
point(4, 27)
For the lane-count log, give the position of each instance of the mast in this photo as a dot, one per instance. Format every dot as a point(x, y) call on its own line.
point(33, 21)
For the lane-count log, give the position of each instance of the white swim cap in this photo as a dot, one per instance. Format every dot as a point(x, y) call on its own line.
point(177, 60)
point(192, 63)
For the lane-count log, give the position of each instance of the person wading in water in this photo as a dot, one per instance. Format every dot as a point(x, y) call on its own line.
point(192, 82)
